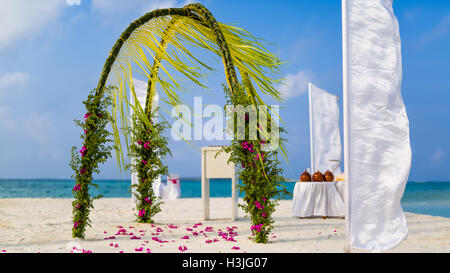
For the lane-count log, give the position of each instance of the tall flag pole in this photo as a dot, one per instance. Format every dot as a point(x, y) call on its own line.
point(377, 151)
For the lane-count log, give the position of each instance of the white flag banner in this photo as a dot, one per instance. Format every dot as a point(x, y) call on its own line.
point(140, 88)
point(376, 129)
point(325, 136)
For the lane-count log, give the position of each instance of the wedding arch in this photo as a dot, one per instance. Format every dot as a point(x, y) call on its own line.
point(163, 35)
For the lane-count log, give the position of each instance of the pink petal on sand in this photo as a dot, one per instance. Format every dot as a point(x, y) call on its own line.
point(235, 248)
point(135, 238)
point(182, 248)
point(139, 249)
point(185, 237)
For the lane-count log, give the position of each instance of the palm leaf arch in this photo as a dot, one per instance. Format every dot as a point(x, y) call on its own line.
point(195, 24)
point(152, 34)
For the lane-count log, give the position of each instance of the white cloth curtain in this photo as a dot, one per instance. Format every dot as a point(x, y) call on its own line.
point(379, 152)
point(140, 88)
point(325, 135)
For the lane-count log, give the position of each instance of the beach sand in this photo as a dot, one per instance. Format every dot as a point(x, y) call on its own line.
point(44, 225)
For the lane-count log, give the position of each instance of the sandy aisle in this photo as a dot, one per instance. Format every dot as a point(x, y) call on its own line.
point(44, 225)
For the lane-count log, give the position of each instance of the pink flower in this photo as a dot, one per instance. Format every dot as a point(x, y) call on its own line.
point(185, 237)
point(148, 200)
point(83, 150)
point(85, 131)
point(147, 145)
point(87, 116)
point(140, 142)
point(76, 224)
point(182, 248)
point(139, 249)
point(145, 162)
point(264, 214)
point(135, 238)
point(82, 171)
point(256, 227)
point(77, 188)
point(235, 248)
point(142, 213)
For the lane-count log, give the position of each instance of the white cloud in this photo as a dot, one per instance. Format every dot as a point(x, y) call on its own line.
point(73, 2)
point(13, 80)
point(441, 29)
point(35, 127)
point(21, 19)
point(296, 84)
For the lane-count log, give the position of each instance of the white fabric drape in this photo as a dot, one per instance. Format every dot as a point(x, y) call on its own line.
point(140, 88)
point(325, 135)
point(379, 152)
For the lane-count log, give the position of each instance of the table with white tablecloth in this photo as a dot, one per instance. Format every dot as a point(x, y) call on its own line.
point(340, 186)
point(317, 199)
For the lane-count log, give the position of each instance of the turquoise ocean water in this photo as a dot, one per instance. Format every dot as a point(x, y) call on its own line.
point(431, 198)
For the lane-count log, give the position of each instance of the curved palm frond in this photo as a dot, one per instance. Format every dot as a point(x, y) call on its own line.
point(149, 38)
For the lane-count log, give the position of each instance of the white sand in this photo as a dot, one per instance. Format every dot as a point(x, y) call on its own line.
point(44, 225)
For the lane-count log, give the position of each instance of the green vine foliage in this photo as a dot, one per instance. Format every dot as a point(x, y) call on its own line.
point(85, 162)
point(258, 171)
point(148, 149)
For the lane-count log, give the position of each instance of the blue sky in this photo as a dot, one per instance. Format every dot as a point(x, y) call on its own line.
point(51, 55)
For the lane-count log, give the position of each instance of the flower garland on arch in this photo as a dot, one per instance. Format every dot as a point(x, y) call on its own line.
point(148, 149)
point(85, 162)
point(259, 172)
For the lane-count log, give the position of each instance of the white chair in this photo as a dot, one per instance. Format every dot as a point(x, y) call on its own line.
point(173, 190)
point(217, 167)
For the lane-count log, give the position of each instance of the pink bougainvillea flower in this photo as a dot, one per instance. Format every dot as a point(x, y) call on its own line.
point(139, 249)
point(77, 187)
point(85, 131)
point(182, 248)
point(76, 224)
point(235, 248)
point(3, 250)
point(334, 230)
point(147, 145)
point(140, 142)
point(189, 229)
point(82, 171)
point(121, 251)
point(86, 116)
point(264, 214)
point(185, 237)
point(148, 200)
point(144, 161)
point(172, 226)
point(135, 238)
point(142, 213)
point(148, 250)
point(83, 151)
